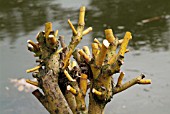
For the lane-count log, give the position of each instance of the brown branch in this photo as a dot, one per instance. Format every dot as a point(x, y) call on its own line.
point(137, 80)
point(76, 56)
point(34, 45)
point(61, 39)
point(41, 98)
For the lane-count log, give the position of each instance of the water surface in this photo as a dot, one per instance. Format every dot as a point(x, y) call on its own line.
point(21, 20)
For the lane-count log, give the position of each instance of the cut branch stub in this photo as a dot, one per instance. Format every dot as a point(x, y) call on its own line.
point(124, 44)
point(101, 57)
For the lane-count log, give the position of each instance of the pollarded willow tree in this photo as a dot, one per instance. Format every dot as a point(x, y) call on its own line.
point(65, 83)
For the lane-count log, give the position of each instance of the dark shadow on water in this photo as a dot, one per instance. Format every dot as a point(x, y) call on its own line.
point(19, 17)
point(121, 16)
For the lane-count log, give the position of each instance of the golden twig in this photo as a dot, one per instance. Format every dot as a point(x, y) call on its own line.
point(96, 92)
point(32, 82)
point(87, 31)
point(95, 49)
point(35, 46)
point(72, 90)
point(86, 50)
point(48, 28)
point(56, 33)
point(144, 81)
point(120, 41)
point(68, 76)
point(51, 40)
point(83, 83)
point(137, 80)
point(58, 51)
point(84, 55)
point(100, 58)
point(109, 35)
point(33, 69)
point(72, 27)
point(81, 16)
point(124, 44)
point(97, 41)
point(61, 39)
point(77, 38)
point(119, 82)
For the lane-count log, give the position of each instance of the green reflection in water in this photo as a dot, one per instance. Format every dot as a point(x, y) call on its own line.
point(20, 17)
point(120, 13)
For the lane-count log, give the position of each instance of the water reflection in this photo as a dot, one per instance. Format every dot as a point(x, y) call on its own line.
point(20, 17)
point(122, 15)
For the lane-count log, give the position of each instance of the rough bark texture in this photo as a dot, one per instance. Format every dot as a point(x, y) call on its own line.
point(65, 83)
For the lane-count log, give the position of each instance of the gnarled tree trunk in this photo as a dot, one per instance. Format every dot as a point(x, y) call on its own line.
point(65, 83)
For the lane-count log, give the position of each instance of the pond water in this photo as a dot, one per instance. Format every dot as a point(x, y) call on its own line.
point(21, 20)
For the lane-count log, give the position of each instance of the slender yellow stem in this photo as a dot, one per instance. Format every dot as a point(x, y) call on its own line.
point(58, 51)
point(119, 82)
point(56, 33)
point(81, 16)
point(72, 90)
point(33, 69)
point(124, 44)
point(75, 39)
point(100, 58)
point(72, 27)
point(32, 82)
point(68, 76)
point(137, 80)
point(120, 41)
point(97, 41)
point(86, 50)
point(48, 28)
point(109, 35)
point(83, 83)
point(96, 92)
point(95, 49)
point(144, 81)
point(84, 55)
point(87, 31)
point(51, 40)
point(35, 46)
